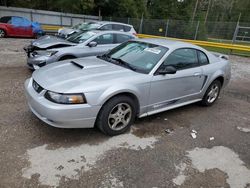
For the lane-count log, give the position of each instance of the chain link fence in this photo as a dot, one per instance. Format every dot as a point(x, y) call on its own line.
point(196, 30)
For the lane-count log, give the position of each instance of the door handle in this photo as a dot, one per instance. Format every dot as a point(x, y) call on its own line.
point(197, 74)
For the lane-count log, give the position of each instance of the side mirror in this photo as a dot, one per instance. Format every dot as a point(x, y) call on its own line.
point(167, 70)
point(92, 44)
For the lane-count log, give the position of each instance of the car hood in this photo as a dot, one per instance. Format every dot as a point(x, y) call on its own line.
point(96, 74)
point(50, 42)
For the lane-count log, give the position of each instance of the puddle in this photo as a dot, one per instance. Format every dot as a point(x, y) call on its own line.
point(51, 165)
point(243, 129)
point(218, 157)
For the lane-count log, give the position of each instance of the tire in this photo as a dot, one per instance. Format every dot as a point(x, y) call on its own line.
point(116, 115)
point(212, 93)
point(2, 33)
point(67, 57)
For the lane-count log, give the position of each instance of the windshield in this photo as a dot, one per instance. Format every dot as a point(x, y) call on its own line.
point(87, 26)
point(80, 37)
point(76, 26)
point(139, 55)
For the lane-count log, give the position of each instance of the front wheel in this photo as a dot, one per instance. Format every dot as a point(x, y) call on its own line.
point(117, 115)
point(2, 33)
point(212, 93)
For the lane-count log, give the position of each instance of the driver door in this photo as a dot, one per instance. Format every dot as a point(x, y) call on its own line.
point(17, 26)
point(182, 86)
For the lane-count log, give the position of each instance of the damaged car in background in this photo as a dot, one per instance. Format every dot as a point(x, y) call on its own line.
point(95, 25)
point(136, 79)
point(16, 26)
point(89, 43)
point(49, 41)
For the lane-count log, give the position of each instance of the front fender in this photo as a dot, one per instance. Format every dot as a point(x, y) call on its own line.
point(115, 90)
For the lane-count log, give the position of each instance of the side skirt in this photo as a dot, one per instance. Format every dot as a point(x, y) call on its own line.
point(168, 108)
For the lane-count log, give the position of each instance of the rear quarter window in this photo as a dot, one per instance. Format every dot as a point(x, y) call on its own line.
point(203, 59)
point(127, 28)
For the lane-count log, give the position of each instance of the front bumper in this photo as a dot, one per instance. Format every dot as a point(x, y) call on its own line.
point(60, 115)
point(36, 62)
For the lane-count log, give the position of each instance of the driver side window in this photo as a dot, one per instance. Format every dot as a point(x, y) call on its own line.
point(182, 59)
point(104, 39)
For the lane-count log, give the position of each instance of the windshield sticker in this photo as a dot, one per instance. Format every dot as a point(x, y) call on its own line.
point(152, 50)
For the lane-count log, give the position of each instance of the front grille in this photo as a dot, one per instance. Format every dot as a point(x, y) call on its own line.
point(36, 86)
point(28, 49)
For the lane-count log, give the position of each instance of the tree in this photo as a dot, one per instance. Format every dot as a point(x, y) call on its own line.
point(165, 9)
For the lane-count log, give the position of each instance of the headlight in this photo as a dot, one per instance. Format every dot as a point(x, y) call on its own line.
point(50, 53)
point(65, 98)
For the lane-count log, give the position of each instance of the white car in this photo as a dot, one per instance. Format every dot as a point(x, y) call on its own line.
point(96, 25)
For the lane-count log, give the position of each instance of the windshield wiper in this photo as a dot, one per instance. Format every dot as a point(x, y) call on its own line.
point(104, 57)
point(122, 62)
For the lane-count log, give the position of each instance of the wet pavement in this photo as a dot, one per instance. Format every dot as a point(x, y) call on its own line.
point(33, 154)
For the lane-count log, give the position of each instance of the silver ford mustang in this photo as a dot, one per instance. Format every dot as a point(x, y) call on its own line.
point(136, 79)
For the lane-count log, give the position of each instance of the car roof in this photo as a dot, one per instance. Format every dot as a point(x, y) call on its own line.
point(169, 43)
point(110, 31)
point(110, 22)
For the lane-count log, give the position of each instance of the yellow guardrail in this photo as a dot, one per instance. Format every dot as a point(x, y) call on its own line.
point(54, 28)
point(51, 27)
point(203, 43)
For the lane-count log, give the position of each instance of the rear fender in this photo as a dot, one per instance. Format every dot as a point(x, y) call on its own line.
point(214, 76)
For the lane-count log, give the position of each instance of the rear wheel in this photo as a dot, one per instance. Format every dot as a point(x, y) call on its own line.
point(2, 33)
point(117, 115)
point(212, 93)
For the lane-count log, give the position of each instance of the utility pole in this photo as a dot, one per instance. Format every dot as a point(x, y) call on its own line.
point(140, 29)
point(207, 11)
point(236, 29)
point(195, 8)
point(99, 13)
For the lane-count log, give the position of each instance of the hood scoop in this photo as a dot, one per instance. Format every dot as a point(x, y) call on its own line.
point(77, 64)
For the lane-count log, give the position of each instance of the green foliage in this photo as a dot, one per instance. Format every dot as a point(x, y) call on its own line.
point(220, 10)
point(121, 8)
point(164, 9)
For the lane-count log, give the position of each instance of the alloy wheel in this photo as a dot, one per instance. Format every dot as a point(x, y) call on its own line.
point(120, 116)
point(2, 33)
point(213, 93)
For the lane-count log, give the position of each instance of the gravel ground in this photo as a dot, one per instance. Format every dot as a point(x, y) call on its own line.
point(33, 154)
